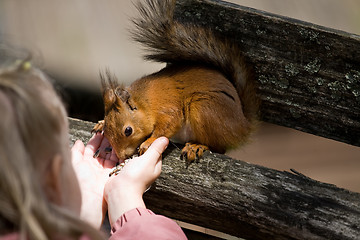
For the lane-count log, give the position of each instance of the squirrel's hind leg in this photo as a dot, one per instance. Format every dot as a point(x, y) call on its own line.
point(217, 121)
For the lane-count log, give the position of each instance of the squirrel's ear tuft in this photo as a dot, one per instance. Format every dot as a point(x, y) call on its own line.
point(111, 90)
point(109, 99)
point(108, 80)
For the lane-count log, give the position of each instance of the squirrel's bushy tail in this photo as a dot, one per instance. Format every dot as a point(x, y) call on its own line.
point(169, 41)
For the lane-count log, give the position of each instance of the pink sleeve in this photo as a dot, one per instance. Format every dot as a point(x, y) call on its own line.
point(141, 223)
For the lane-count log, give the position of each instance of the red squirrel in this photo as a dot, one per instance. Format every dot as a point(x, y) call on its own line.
point(204, 97)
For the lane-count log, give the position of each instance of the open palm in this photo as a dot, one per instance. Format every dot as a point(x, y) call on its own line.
point(92, 174)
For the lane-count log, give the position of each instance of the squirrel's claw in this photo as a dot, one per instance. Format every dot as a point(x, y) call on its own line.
point(99, 127)
point(145, 145)
point(192, 152)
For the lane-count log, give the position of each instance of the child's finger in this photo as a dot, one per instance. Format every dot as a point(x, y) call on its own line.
point(93, 144)
point(156, 149)
point(103, 149)
point(77, 151)
point(157, 168)
point(113, 156)
point(78, 146)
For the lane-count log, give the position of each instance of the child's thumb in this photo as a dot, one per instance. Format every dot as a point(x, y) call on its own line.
point(156, 149)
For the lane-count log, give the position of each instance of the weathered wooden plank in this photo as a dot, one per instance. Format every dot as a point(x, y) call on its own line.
point(246, 200)
point(308, 76)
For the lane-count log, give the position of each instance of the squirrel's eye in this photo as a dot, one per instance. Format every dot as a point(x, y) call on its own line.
point(128, 131)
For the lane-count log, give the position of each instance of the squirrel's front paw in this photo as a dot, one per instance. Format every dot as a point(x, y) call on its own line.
point(145, 145)
point(192, 152)
point(99, 127)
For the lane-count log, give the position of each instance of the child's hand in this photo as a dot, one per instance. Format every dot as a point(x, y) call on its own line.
point(124, 191)
point(92, 175)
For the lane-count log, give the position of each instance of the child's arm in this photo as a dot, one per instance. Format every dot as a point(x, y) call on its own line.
point(124, 191)
point(141, 223)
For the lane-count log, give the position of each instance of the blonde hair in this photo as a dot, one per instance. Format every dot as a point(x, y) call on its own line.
point(32, 127)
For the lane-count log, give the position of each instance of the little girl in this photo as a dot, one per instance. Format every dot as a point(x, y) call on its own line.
point(50, 192)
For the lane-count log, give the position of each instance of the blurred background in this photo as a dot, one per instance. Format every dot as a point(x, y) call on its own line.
point(74, 39)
